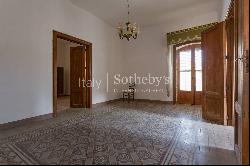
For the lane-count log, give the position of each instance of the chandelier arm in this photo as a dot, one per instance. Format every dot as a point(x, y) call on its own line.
point(130, 30)
point(128, 10)
point(135, 36)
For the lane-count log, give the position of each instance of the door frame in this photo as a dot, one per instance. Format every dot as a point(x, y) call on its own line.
point(175, 66)
point(230, 63)
point(241, 111)
point(59, 35)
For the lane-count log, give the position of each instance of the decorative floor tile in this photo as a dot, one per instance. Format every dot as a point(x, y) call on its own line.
point(119, 133)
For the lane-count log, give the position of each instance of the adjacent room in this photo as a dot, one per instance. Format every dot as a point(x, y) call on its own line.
point(124, 82)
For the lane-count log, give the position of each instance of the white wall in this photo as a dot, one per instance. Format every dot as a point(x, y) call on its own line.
point(148, 54)
point(63, 60)
point(224, 9)
point(26, 53)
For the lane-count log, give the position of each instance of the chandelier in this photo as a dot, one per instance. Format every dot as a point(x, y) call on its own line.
point(129, 30)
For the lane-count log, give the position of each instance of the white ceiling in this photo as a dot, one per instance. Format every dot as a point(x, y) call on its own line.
point(147, 12)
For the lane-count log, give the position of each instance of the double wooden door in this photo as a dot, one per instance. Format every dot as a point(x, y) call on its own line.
point(78, 77)
point(189, 74)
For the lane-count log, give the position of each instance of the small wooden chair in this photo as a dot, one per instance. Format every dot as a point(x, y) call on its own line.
point(130, 93)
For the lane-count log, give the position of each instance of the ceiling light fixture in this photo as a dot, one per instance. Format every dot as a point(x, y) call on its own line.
point(130, 30)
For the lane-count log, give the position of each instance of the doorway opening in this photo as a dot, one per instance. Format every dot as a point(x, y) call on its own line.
point(188, 60)
point(72, 67)
point(64, 74)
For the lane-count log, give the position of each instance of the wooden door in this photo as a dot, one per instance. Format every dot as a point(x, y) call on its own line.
point(245, 97)
point(213, 50)
point(77, 75)
point(189, 74)
point(60, 81)
point(230, 68)
point(242, 81)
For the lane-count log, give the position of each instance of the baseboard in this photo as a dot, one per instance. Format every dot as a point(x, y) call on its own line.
point(10, 125)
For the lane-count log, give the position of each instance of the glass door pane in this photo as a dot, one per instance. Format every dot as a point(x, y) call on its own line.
point(185, 70)
point(185, 81)
point(198, 80)
point(198, 59)
point(185, 60)
point(198, 69)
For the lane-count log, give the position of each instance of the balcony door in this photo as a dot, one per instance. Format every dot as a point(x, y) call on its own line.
point(189, 74)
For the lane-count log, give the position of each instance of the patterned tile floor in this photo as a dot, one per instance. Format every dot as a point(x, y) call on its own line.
point(120, 133)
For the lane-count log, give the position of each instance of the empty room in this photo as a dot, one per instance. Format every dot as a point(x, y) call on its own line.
point(124, 82)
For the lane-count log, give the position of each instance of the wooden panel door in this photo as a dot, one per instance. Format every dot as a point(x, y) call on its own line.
point(60, 81)
point(213, 49)
point(245, 97)
point(230, 56)
point(242, 81)
point(77, 74)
